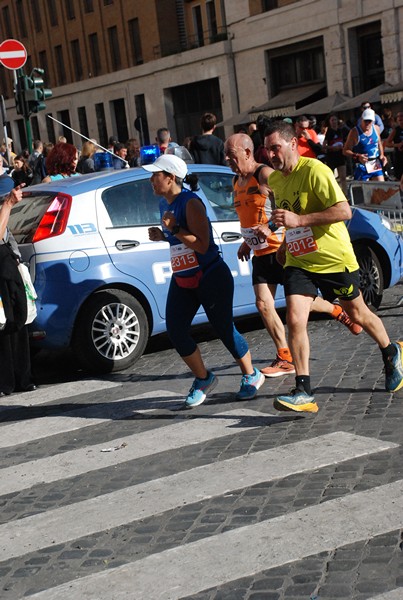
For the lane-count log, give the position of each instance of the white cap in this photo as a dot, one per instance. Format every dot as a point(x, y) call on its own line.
point(368, 115)
point(169, 163)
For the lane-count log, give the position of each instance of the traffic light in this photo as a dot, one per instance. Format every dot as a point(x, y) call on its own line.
point(35, 92)
point(19, 96)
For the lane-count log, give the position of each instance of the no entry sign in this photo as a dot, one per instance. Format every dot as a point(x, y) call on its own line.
point(13, 54)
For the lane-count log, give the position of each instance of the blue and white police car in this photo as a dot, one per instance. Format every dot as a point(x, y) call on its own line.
point(102, 284)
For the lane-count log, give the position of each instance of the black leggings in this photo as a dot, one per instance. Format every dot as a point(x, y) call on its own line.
point(215, 293)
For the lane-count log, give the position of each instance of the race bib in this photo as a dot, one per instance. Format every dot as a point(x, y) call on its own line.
point(300, 241)
point(255, 241)
point(183, 258)
point(373, 165)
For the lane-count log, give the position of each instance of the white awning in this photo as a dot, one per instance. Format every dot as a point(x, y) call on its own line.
point(393, 94)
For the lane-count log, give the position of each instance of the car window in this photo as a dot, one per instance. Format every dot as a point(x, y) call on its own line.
point(27, 214)
point(218, 191)
point(132, 204)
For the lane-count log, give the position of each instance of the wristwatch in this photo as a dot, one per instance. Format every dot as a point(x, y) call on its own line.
point(175, 229)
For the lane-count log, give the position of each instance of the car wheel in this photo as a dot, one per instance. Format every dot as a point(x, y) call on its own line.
point(111, 332)
point(371, 276)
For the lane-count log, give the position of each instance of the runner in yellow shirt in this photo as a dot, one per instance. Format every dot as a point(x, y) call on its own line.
point(319, 255)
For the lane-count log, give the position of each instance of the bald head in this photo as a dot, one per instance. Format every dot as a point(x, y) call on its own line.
point(239, 140)
point(239, 154)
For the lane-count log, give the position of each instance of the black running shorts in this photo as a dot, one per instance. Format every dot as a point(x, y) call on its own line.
point(266, 269)
point(345, 286)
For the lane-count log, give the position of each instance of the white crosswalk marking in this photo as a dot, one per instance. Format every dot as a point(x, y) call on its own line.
point(57, 392)
point(392, 595)
point(154, 497)
point(76, 462)
point(244, 551)
point(95, 414)
point(189, 568)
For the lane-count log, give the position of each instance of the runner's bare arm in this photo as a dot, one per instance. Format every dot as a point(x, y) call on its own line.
point(340, 211)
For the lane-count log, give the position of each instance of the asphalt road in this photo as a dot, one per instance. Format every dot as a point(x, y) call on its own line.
point(109, 490)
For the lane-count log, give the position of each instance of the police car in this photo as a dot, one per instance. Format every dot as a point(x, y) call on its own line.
point(102, 284)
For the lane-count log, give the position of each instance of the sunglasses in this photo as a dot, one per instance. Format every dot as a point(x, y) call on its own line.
point(367, 106)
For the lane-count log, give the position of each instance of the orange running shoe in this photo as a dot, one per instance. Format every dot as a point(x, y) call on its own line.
point(278, 367)
point(351, 326)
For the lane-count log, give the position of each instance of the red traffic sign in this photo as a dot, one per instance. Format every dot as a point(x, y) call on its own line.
point(13, 54)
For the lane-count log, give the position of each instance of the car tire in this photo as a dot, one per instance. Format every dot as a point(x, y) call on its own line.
point(371, 276)
point(111, 332)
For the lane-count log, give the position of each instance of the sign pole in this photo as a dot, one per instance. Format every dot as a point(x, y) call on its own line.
point(4, 119)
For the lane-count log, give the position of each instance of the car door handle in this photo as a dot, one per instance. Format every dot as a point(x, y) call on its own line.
point(126, 244)
point(230, 236)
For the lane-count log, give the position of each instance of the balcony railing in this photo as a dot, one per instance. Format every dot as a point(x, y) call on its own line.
point(191, 42)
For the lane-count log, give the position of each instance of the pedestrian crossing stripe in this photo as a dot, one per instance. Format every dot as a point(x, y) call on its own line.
point(83, 460)
point(396, 594)
point(95, 414)
point(144, 500)
point(57, 392)
point(243, 552)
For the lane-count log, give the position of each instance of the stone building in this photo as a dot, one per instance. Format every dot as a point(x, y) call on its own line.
point(111, 63)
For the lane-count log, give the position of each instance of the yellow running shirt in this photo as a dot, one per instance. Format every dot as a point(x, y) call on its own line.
point(310, 188)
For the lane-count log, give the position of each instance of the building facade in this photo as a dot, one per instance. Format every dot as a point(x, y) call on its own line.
point(116, 64)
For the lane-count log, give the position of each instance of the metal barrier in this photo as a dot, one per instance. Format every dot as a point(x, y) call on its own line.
point(382, 197)
point(394, 215)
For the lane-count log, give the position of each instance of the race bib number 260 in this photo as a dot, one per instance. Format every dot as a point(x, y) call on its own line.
point(300, 241)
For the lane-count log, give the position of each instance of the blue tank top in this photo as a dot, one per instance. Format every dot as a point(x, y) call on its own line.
point(367, 144)
point(178, 208)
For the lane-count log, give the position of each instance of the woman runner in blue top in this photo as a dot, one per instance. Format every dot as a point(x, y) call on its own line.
point(199, 278)
point(365, 146)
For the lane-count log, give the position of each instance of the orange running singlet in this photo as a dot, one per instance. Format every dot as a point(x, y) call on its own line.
point(254, 208)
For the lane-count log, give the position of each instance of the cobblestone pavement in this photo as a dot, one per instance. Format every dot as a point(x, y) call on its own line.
point(178, 504)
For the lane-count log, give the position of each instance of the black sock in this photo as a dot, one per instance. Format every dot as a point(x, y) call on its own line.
point(303, 383)
point(389, 352)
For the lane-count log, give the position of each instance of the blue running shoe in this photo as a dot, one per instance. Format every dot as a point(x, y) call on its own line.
point(297, 400)
point(394, 369)
point(250, 385)
point(199, 390)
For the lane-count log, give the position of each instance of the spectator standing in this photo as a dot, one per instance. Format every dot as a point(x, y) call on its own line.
point(364, 145)
point(37, 162)
point(86, 161)
point(207, 148)
point(333, 144)
point(6, 151)
point(260, 153)
point(15, 371)
point(164, 140)
point(61, 162)
point(22, 172)
point(112, 141)
point(395, 141)
point(388, 123)
point(133, 152)
point(200, 278)
point(308, 141)
point(121, 151)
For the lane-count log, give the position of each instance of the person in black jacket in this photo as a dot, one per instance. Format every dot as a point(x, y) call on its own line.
point(15, 371)
point(207, 148)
